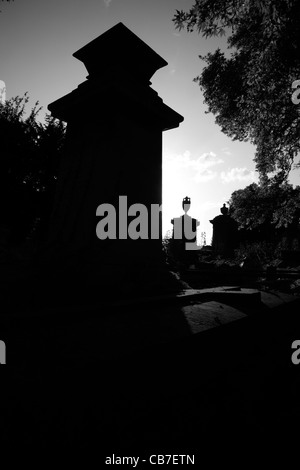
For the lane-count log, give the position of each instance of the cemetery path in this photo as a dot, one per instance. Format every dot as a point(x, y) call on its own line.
point(111, 382)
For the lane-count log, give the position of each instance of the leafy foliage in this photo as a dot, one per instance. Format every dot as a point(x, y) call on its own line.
point(262, 251)
point(6, 1)
point(29, 159)
point(266, 205)
point(250, 92)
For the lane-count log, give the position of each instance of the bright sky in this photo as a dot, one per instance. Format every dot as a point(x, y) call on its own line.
point(37, 40)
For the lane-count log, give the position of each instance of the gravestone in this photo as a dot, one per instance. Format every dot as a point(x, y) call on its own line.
point(184, 235)
point(113, 156)
point(225, 233)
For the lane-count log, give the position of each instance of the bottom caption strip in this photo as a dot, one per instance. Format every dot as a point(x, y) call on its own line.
point(154, 459)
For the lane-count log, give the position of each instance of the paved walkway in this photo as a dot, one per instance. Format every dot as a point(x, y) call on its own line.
point(171, 374)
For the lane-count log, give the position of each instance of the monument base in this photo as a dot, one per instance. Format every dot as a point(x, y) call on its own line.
point(81, 278)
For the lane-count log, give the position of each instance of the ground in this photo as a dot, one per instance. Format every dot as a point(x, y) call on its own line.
point(135, 377)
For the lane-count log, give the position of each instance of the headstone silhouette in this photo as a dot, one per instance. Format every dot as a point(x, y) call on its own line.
point(115, 122)
point(184, 235)
point(225, 235)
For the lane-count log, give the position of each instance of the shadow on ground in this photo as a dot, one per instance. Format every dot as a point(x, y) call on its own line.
point(69, 385)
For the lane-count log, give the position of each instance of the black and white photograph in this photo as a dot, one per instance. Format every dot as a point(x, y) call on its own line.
point(150, 230)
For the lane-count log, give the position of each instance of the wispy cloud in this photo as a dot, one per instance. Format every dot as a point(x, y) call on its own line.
point(204, 176)
point(107, 3)
point(226, 151)
point(2, 92)
point(238, 174)
point(209, 205)
point(201, 166)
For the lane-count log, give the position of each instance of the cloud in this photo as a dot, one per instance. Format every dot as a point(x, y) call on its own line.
point(226, 151)
point(238, 174)
point(205, 176)
point(201, 166)
point(208, 205)
point(2, 92)
point(107, 3)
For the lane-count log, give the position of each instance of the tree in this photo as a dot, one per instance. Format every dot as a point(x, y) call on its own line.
point(250, 91)
point(266, 207)
point(30, 155)
point(6, 1)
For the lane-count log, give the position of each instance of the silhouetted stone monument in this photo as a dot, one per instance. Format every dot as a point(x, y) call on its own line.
point(184, 235)
point(115, 122)
point(225, 233)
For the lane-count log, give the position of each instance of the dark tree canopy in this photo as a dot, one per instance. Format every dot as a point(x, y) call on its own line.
point(250, 92)
point(6, 1)
point(29, 160)
point(30, 150)
point(266, 205)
